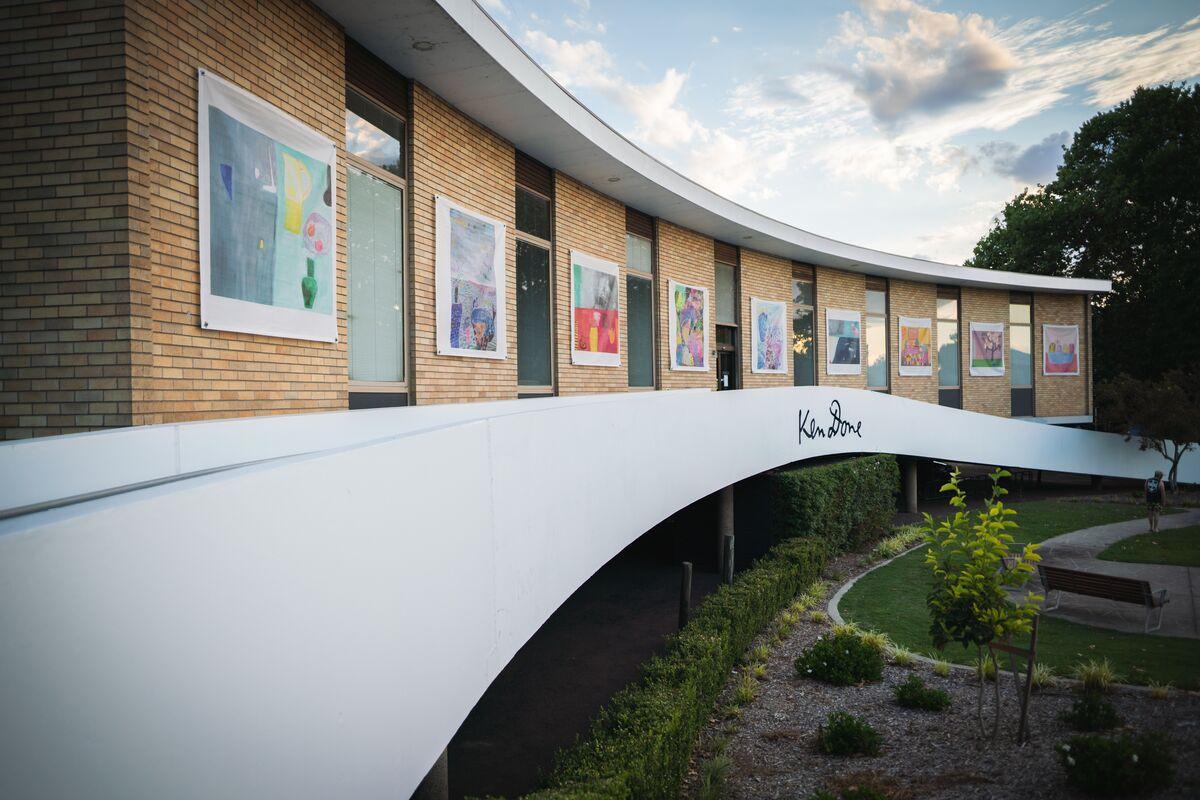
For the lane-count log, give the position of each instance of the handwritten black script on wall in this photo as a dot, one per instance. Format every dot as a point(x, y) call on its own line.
point(837, 427)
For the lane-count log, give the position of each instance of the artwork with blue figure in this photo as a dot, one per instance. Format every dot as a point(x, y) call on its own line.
point(843, 336)
point(768, 344)
point(472, 282)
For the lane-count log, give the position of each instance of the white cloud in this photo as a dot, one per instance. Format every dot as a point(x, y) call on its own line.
point(736, 29)
point(714, 40)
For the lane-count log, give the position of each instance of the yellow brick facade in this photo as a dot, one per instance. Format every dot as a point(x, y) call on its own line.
point(765, 277)
point(99, 312)
point(687, 257)
point(985, 394)
point(590, 222)
point(842, 291)
point(1060, 395)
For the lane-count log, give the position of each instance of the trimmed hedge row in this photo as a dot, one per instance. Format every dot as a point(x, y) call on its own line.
point(845, 504)
point(640, 744)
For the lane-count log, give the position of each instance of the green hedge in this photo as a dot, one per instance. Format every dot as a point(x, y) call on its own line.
point(845, 504)
point(640, 744)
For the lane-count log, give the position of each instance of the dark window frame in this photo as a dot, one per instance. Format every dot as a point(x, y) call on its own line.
point(873, 284)
point(802, 272)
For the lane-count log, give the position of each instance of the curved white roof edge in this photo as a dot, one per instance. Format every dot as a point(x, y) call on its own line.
point(477, 67)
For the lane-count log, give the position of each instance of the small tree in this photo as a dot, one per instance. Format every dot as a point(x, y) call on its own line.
point(1163, 414)
point(972, 566)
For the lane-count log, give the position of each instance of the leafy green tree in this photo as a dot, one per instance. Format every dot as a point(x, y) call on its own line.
point(1124, 205)
point(973, 566)
point(1163, 414)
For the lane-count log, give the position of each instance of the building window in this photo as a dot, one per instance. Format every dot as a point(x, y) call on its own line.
point(727, 339)
point(535, 290)
point(374, 135)
point(639, 303)
point(1020, 338)
point(947, 338)
point(804, 343)
point(375, 252)
point(876, 334)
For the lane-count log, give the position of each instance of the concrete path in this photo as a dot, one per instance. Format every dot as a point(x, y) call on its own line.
point(1078, 550)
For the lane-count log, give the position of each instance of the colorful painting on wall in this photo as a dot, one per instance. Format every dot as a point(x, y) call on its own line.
point(916, 346)
point(470, 282)
point(843, 337)
point(267, 206)
point(687, 325)
point(987, 349)
point(1060, 349)
point(768, 336)
point(595, 311)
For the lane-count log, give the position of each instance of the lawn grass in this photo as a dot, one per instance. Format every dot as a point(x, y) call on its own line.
point(1179, 547)
point(892, 599)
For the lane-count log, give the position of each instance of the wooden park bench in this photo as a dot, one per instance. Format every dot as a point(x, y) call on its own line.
point(1107, 587)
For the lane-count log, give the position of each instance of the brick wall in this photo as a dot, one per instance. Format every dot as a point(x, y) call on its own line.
point(842, 291)
point(988, 395)
point(592, 223)
point(1060, 395)
point(685, 256)
point(65, 362)
point(292, 56)
point(457, 157)
point(911, 299)
point(766, 278)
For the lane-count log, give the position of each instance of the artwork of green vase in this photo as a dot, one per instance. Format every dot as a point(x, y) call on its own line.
point(308, 285)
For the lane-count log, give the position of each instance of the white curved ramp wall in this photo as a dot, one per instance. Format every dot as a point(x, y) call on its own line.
point(319, 625)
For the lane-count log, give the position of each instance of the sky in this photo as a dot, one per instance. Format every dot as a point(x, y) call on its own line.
point(894, 124)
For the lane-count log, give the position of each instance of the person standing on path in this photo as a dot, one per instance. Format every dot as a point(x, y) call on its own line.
point(1156, 497)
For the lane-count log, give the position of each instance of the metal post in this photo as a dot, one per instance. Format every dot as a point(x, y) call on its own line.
point(685, 594)
point(724, 525)
point(727, 562)
point(910, 486)
point(436, 784)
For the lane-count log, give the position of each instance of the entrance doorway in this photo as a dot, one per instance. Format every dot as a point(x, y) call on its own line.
point(727, 357)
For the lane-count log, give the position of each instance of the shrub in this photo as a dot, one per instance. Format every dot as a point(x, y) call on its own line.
point(1118, 767)
point(913, 693)
point(641, 742)
point(845, 503)
point(712, 777)
point(819, 617)
point(1090, 713)
point(841, 659)
point(1043, 676)
point(986, 668)
point(1097, 676)
point(746, 691)
point(891, 546)
point(1161, 691)
point(901, 656)
point(846, 735)
point(878, 641)
point(940, 668)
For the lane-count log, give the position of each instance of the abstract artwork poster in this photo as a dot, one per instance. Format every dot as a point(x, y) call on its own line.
point(987, 349)
point(1060, 350)
point(916, 346)
point(687, 326)
point(595, 311)
point(268, 201)
point(843, 337)
point(470, 278)
point(768, 337)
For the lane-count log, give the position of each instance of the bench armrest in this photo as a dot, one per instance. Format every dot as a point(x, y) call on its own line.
point(1160, 598)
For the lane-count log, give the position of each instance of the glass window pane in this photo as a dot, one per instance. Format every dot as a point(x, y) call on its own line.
point(639, 300)
point(374, 230)
point(726, 295)
point(802, 292)
point(947, 360)
point(876, 340)
point(1018, 313)
point(1021, 349)
point(373, 134)
point(947, 308)
point(803, 348)
point(638, 254)
point(533, 315)
point(533, 214)
point(876, 302)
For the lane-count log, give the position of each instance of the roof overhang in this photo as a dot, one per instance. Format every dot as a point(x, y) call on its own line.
point(476, 67)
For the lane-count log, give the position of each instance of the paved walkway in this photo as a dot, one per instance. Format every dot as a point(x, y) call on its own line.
point(1078, 550)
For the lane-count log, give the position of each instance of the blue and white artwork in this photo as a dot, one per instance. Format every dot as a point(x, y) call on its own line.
point(268, 249)
point(470, 282)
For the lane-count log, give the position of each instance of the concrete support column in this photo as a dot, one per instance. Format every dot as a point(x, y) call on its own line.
point(910, 485)
point(436, 785)
point(724, 528)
